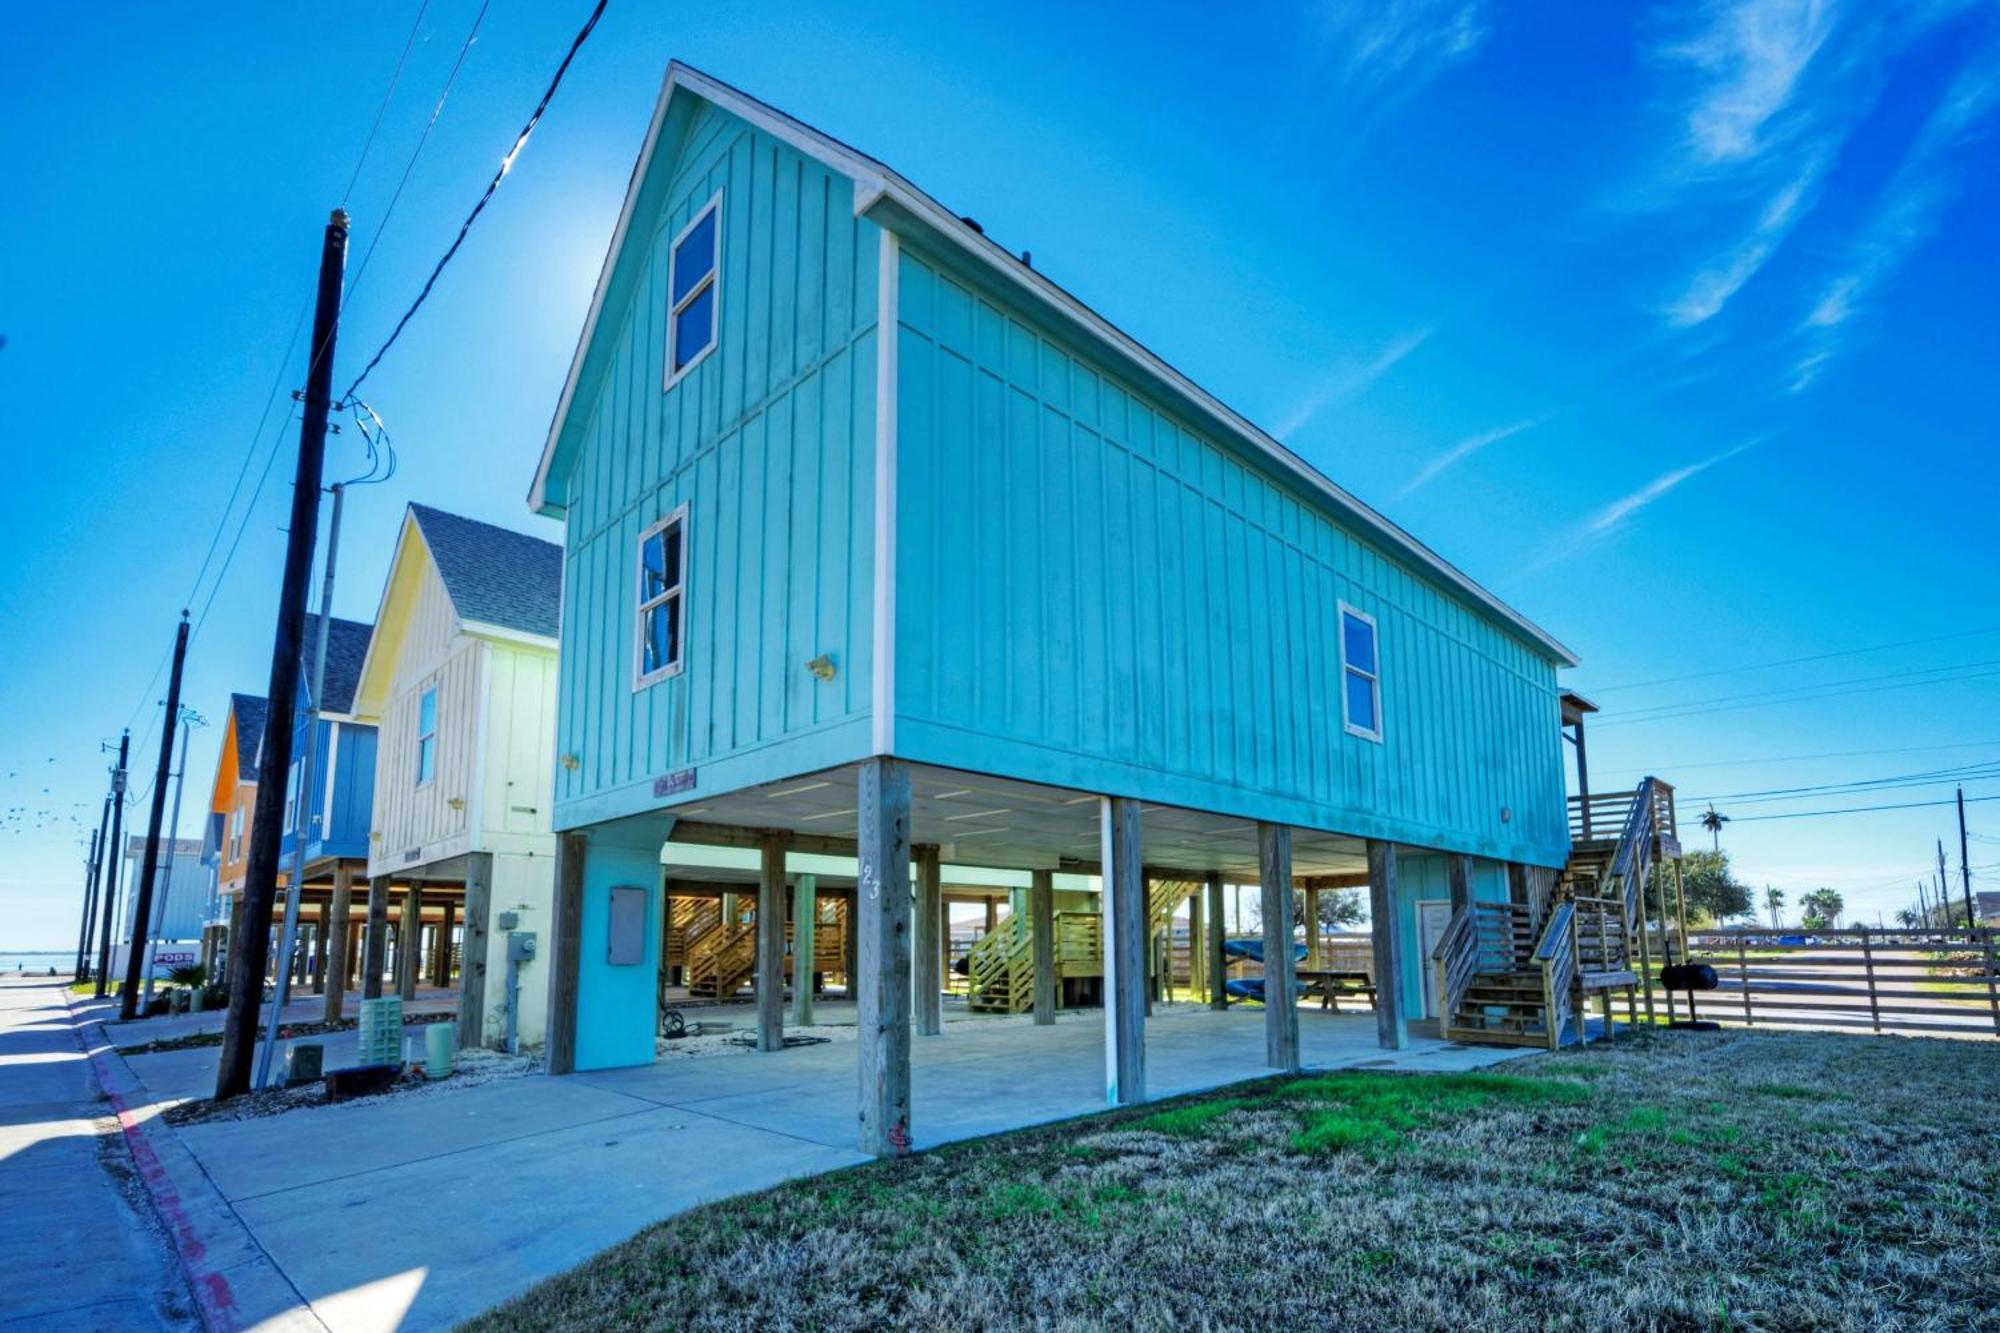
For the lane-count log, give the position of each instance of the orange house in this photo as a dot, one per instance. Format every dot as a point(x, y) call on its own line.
point(231, 801)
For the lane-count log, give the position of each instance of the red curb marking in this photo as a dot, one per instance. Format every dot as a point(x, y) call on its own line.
point(211, 1288)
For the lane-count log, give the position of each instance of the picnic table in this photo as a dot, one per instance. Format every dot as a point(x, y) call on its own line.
point(1330, 984)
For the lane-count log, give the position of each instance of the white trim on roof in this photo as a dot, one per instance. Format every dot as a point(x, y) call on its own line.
point(878, 191)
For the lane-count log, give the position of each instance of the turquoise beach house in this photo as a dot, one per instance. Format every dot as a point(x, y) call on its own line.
point(888, 557)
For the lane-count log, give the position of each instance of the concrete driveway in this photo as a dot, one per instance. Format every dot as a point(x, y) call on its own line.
point(415, 1212)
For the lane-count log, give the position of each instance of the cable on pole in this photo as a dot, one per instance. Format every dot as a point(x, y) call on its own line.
point(506, 165)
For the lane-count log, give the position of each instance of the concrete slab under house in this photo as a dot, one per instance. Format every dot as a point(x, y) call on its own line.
point(902, 575)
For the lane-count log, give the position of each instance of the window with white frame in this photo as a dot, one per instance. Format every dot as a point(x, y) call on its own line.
point(427, 734)
point(662, 579)
point(236, 835)
point(694, 281)
point(1360, 674)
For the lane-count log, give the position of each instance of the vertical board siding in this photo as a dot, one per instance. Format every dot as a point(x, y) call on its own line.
point(769, 442)
point(432, 652)
point(519, 751)
point(1092, 592)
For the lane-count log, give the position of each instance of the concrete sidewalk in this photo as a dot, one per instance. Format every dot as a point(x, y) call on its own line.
point(419, 1211)
point(80, 1245)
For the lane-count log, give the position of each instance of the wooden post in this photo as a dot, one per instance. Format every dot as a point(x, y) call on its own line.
point(1992, 981)
point(441, 956)
point(1645, 955)
point(1124, 905)
point(472, 961)
point(1217, 965)
point(1868, 966)
point(805, 926)
point(1197, 955)
point(850, 945)
point(375, 944)
point(1281, 980)
point(928, 937)
point(410, 945)
point(1042, 925)
point(337, 954)
point(319, 953)
point(1458, 879)
point(1312, 928)
point(1391, 1026)
point(565, 954)
point(1149, 943)
point(355, 932)
point(1743, 981)
point(770, 959)
point(882, 899)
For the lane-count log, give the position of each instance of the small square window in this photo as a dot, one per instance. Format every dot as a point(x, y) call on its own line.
point(693, 277)
point(661, 599)
point(1360, 674)
point(427, 726)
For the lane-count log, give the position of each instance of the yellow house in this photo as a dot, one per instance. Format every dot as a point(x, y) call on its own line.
point(460, 679)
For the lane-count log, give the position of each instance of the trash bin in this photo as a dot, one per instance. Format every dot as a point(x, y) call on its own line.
point(440, 1041)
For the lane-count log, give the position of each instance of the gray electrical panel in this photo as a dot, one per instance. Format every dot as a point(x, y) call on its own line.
point(628, 926)
point(520, 946)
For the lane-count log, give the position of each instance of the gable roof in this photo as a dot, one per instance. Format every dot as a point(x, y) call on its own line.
point(249, 710)
point(495, 576)
point(346, 646)
point(892, 202)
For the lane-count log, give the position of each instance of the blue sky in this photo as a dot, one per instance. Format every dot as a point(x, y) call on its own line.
point(1670, 324)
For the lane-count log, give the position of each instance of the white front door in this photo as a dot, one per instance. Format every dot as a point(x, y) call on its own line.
point(1433, 919)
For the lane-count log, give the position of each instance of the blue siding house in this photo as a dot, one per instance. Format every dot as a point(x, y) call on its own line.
point(882, 545)
point(334, 817)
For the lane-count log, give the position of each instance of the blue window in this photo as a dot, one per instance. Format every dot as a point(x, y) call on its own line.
point(1360, 674)
point(693, 277)
point(427, 735)
point(662, 588)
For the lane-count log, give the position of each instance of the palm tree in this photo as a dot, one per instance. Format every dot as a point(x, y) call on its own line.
point(1823, 908)
point(1713, 822)
point(1774, 902)
point(1906, 918)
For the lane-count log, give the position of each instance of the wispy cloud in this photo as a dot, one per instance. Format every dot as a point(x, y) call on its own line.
point(1387, 49)
point(1606, 522)
point(1922, 187)
point(1345, 382)
point(1712, 286)
point(1751, 57)
point(1616, 514)
point(1461, 451)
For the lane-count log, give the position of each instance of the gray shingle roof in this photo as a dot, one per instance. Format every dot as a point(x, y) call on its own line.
point(495, 576)
point(346, 646)
point(249, 710)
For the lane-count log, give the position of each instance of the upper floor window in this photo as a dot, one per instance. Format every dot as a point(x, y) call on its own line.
point(662, 578)
point(1360, 674)
point(236, 835)
point(694, 278)
point(427, 734)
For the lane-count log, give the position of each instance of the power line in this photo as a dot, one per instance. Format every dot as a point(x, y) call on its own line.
point(1812, 688)
point(1701, 710)
point(395, 77)
point(506, 165)
point(382, 227)
point(1795, 661)
point(1858, 810)
point(1823, 754)
point(222, 571)
point(1983, 769)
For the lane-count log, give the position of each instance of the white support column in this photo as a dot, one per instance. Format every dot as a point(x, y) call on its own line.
point(1281, 978)
point(882, 956)
point(1391, 1026)
point(1124, 953)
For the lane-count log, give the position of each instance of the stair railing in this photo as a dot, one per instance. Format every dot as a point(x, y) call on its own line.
point(1482, 937)
point(1556, 955)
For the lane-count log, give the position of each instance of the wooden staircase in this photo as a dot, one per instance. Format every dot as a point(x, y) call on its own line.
point(1001, 966)
point(1523, 974)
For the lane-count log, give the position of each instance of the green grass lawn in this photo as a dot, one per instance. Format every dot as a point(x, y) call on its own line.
point(1672, 1180)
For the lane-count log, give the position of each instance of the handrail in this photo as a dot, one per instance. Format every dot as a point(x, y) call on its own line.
point(1557, 956)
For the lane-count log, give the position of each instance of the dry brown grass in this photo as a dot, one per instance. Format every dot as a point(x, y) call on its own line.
point(1673, 1180)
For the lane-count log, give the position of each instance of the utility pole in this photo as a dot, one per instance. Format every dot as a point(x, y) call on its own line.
point(96, 882)
point(108, 905)
point(250, 950)
point(189, 721)
point(288, 938)
point(1944, 887)
point(142, 901)
point(89, 900)
point(1965, 864)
